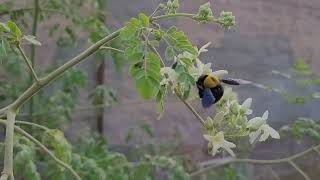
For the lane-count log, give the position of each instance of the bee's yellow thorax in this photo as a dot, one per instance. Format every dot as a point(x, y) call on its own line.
point(211, 82)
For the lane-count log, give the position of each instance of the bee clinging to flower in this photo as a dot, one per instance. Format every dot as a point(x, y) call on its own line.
point(211, 90)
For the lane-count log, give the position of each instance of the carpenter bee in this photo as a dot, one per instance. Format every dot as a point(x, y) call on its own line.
point(211, 90)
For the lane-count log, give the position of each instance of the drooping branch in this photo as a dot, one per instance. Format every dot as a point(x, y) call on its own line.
point(218, 163)
point(43, 147)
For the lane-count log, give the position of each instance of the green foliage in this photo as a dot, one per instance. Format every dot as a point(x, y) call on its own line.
point(146, 75)
point(24, 160)
point(102, 96)
point(55, 140)
point(205, 14)
point(303, 127)
point(172, 6)
point(179, 41)
point(226, 20)
point(303, 77)
point(185, 80)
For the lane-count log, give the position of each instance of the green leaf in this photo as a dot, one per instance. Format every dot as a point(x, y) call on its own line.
point(32, 39)
point(4, 27)
point(160, 100)
point(130, 30)
point(179, 41)
point(3, 51)
point(147, 76)
point(60, 146)
point(169, 53)
point(144, 19)
point(14, 29)
point(134, 54)
point(185, 80)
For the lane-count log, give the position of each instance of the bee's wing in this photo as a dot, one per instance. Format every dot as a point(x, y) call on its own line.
point(230, 81)
point(208, 98)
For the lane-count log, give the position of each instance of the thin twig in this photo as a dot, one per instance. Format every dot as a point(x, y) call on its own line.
point(214, 164)
point(33, 124)
point(298, 169)
point(316, 150)
point(187, 15)
point(25, 58)
point(274, 174)
point(155, 11)
point(111, 48)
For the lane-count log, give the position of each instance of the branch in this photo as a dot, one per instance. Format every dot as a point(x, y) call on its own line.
point(25, 58)
point(214, 164)
point(111, 48)
point(186, 15)
point(33, 47)
point(33, 124)
point(44, 148)
point(8, 151)
point(35, 87)
point(298, 169)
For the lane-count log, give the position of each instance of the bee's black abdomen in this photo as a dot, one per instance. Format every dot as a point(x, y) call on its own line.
point(217, 92)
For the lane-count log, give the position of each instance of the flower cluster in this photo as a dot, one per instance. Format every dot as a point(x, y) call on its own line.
point(205, 14)
point(231, 118)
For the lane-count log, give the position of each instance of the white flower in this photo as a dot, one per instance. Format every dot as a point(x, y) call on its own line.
point(217, 141)
point(243, 108)
point(169, 76)
point(200, 69)
point(262, 128)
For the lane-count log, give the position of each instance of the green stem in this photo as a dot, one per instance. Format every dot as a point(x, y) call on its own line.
point(33, 124)
point(299, 170)
point(8, 151)
point(33, 48)
point(35, 87)
point(166, 16)
point(25, 58)
point(113, 49)
point(213, 164)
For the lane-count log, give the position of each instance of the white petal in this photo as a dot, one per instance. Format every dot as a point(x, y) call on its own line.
point(228, 144)
point(219, 73)
point(254, 135)
point(265, 115)
point(247, 103)
point(230, 152)
point(204, 48)
point(249, 111)
point(207, 137)
point(214, 150)
point(219, 117)
point(255, 122)
point(264, 136)
point(273, 133)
